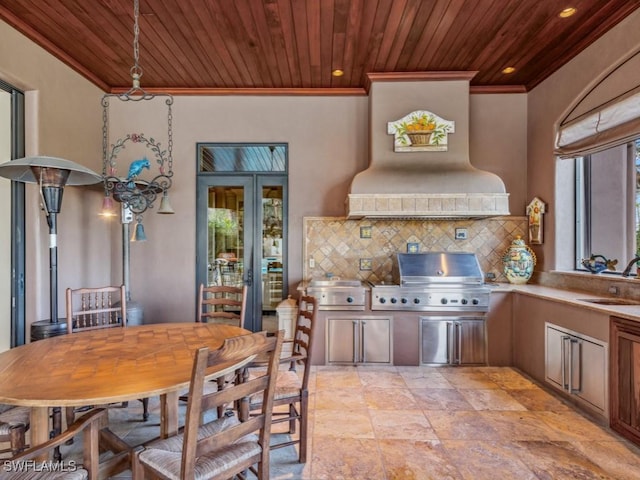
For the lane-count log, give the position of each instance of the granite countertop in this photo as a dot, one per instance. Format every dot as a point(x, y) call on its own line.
point(575, 298)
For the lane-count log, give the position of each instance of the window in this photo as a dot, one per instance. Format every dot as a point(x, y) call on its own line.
point(608, 204)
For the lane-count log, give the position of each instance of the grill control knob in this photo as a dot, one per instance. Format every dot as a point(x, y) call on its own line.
point(349, 299)
point(394, 300)
point(475, 301)
point(383, 300)
point(416, 301)
point(444, 301)
point(404, 300)
point(464, 301)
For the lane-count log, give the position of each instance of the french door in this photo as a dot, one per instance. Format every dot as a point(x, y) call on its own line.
point(241, 240)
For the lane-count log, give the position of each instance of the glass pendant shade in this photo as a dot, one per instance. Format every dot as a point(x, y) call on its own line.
point(108, 208)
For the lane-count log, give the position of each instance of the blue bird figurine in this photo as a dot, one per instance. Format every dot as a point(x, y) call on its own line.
point(136, 168)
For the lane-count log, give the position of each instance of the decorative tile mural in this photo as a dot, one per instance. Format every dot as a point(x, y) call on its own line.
point(337, 245)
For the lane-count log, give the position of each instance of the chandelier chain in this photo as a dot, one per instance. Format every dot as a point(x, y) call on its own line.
point(136, 70)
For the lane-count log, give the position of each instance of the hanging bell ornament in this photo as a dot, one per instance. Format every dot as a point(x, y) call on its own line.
point(138, 233)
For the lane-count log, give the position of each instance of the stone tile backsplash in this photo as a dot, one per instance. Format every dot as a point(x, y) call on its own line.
point(363, 249)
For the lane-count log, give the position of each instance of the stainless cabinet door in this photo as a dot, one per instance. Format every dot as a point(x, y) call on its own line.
point(375, 343)
point(342, 335)
point(592, 373)
point(436, 339)
point(554, 357)
point(470, 342)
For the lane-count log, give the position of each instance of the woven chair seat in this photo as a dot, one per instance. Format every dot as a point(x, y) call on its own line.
point(288, 385)
point(13, 416)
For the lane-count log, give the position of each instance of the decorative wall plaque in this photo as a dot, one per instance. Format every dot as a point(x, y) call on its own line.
point(420, 131)
point(535, 210)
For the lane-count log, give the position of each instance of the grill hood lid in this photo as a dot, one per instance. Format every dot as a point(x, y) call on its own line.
point(423, 184)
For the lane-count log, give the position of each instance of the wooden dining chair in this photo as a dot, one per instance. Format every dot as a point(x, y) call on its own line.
point(14, 422)
point(223, 304)
point(94, 309)
point(231, 443)
point(26, 468)
point(292, 385)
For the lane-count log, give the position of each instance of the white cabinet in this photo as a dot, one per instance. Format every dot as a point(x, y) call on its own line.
point(577, 365)
point(453, 340)
point(358, 339)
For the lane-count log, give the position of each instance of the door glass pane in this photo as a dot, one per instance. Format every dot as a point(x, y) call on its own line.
point(272, 259)
point(225, 247)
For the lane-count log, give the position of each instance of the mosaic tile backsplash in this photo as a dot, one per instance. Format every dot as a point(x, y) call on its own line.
point(363, 249)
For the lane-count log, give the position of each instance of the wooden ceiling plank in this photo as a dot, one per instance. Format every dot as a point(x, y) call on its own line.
point(269, 55)
point(194, 49)
point(393, 35)
point(299, 16)
point(327, 13)
point(243, 46)
point(461, 34)
point(363, 20)
point(440, 36)
point(350, 42)
point(403, 41)
point(477, 33)
point(339, 40)
point(290, 44)
point(376, 37)
point(432, 12)
point(200, 23)
point(277, 34)
point(217, 45)
point(265, 55)
point(580, 37)
point(313, 26)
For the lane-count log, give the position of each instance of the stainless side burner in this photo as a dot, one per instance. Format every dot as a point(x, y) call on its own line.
point(338, 294)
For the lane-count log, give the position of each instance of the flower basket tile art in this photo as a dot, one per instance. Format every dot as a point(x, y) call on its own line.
point(420, 131)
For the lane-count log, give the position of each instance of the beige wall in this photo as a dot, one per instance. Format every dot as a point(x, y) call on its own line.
point(547, 104)
point(60, 122)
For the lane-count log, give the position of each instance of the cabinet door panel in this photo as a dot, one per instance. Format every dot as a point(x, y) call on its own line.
point(341, 341)
point(593, 378)
point(470, 340)
point(376, 341)
point(554, 357)
point(436, 337)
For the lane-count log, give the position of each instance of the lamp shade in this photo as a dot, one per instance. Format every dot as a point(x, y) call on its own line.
point(21, 170)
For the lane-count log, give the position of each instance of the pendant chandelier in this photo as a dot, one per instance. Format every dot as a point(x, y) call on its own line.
point(132, 186)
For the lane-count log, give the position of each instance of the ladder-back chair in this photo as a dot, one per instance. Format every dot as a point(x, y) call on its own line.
point(231, 443)
point(222, 303)
point(292, 385)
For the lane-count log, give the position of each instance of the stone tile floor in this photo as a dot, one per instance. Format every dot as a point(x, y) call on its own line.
point(417, 423)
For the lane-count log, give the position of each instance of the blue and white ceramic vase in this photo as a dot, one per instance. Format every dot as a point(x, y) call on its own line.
point(518, 261)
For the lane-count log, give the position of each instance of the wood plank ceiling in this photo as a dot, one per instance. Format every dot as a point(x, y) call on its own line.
point(245, 46)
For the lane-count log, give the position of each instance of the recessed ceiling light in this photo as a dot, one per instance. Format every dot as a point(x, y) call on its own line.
point(508, 70)
point(337, 73)
point(567, 12)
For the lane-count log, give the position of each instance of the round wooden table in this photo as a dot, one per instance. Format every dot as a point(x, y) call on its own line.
point(108, 366)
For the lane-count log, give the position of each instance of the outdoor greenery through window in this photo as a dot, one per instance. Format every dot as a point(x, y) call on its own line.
point(608, 205)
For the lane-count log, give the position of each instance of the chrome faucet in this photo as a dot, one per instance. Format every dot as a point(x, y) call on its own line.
point(627, 271)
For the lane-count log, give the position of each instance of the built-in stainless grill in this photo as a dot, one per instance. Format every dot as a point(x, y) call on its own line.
point(433, 281)
point(338, 294)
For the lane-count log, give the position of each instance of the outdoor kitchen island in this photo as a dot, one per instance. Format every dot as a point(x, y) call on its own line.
point(435, 313)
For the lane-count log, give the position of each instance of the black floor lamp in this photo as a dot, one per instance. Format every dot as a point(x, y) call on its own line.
point(51, 174)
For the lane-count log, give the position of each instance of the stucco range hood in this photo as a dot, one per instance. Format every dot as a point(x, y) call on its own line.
point(423, 184)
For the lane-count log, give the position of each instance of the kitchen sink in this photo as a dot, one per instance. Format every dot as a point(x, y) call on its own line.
point(610, 301)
